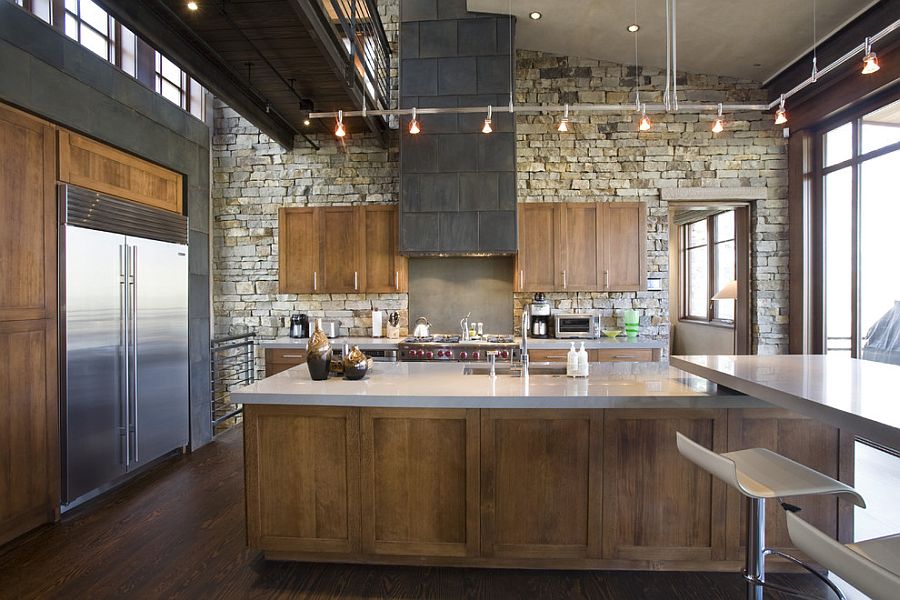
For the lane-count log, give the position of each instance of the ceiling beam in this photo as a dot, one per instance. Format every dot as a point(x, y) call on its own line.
point(154, 22)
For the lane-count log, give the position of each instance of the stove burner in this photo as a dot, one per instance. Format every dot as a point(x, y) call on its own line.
point(499, 339)
point(433, 339)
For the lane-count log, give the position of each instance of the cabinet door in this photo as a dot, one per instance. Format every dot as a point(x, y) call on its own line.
point(420, 482)
point(538, 266)
point(540, 485)
point(807, 441)
point(27, 217)
point(581, 241)
point(623, 240)
point(282, 359)
point(385, 269)
point(658, 505)
point(302, 470)
point(29, 427)
point(298, 251)
point(342, 250)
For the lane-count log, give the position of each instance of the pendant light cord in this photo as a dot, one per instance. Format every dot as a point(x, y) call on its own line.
point(637, 83)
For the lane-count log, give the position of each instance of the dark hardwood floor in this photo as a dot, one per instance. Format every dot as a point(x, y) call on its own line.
point(179, 533)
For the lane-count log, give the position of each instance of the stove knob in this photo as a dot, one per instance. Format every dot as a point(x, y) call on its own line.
point(448, 354)
point(504, 354)
point(429, 354)
point(475, 355)
point(417, 353)
point(440, 353)
point(463, 355)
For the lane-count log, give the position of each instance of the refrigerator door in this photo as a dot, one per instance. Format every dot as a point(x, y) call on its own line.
point(158, 320)
point(95, 376)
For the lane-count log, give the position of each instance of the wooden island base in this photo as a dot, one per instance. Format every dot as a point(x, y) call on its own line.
point(518, 488)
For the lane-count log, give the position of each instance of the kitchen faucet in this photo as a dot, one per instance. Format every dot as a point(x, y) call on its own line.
point(524, 344)
point(464, 325)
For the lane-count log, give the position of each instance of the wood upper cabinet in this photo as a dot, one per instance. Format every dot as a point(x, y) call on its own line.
point(540, 483)
point(340, 249)
point(420, 481)
point(657, 505)
point(582, 246)
point(305, 461)
point(95, 166)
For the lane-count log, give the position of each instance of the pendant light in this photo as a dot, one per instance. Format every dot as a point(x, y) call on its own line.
point(719, 125)
point(645, 123)
point(564, 123)
point(780, 114)
point(414, 124)
point(487, 122)
point(870, 60)
point(339, 131)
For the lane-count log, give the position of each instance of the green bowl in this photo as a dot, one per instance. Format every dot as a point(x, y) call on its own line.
point(611, 333)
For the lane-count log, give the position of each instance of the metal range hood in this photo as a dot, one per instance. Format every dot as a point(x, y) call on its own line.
point(457, 185)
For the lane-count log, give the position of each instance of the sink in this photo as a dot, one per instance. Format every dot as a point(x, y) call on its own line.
point(506, 369)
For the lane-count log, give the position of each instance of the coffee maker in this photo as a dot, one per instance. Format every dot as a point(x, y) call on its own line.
point(539, 317)
point(299, 326)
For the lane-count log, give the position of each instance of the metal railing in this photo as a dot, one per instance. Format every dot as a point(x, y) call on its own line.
point(232, 364)
point(357, 24)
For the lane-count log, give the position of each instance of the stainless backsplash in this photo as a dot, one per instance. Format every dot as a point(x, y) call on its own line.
point(444, 289)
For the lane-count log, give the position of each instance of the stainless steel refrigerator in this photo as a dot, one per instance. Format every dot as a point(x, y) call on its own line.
point(124, 336)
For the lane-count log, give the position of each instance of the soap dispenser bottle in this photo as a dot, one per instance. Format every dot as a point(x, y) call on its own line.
point(583, 369)
point(572, 362)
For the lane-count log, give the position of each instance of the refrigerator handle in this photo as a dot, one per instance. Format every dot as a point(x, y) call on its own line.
point(134, 349)
point(126, 346)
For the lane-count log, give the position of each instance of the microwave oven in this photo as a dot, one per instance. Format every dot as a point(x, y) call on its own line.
point(570, 325)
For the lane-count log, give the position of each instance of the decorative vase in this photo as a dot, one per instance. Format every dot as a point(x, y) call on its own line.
point(318, 354)
point(631, 323)
point(356, 364)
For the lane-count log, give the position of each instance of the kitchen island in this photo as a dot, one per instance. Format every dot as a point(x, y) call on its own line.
point(441, 464)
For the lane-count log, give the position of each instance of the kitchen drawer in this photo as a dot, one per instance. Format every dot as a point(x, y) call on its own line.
point(621, 355)
point(286, 356)
point(546, 355)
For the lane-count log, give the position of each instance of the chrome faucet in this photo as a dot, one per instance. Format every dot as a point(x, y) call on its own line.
point(464, 325)
point(523, 349)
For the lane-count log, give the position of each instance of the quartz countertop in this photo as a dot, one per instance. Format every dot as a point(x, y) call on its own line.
point(446, 385)
point(860, 396)
point(542, 344)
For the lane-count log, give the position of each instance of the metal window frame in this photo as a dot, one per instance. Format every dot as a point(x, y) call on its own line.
point(711, 243)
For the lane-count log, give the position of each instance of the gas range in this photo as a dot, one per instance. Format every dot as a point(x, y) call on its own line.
point(452, 348)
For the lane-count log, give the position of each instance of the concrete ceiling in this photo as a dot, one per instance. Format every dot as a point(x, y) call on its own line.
point(749, 39)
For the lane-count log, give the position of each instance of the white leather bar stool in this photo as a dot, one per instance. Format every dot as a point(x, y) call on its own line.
point(758, 474)
point(872, 566)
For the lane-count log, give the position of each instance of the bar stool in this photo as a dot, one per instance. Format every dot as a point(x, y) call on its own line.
point(872, 566)
point(758, 474)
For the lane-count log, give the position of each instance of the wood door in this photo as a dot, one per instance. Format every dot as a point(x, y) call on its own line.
point(95, 166)
point(540, 483)
point(29, 427)
point(299, 271)
point(302, 470)
point(807, 441)
point(385, 269)
point(538, 264)
point(581, 242)
point(623, 240)
point(342, 250)
point(420, 482)
point(27, 217)
point(657, 505)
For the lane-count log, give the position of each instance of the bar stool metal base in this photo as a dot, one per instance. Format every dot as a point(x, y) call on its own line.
point(755, 569)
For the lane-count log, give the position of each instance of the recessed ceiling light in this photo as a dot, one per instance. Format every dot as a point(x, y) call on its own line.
point(535, 15)
point(633, 27)
point(192, 6)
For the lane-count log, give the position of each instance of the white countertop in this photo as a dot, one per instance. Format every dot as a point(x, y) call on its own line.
point(860, 396)
point(544, 344)
point(444, 385)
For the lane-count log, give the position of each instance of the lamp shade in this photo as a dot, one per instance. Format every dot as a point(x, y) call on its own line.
point(729, 292)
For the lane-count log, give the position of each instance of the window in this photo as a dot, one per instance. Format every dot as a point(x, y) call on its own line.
point(91, 26)
point(709, 263)
point(860, 208)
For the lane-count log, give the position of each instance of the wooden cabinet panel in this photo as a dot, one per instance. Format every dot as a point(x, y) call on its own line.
point(581, 242)
point(623, 244)
point(342, 250)
point(657, 505)
point(538, 263)
point(95, 166)
point(540, 483)
point(420, 482)
point(807, 441)
point(29, 427)
point(623, 355)
point(27, 217)
point(306, 461)
point(537, 355)
point(298, 251)
point(282, 359)
point(385, 269)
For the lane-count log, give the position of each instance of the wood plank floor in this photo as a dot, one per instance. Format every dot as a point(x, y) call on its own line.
point(178, 532)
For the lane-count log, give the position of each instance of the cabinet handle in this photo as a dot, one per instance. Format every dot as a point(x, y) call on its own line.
point(315, 281)
point(606, 277)
point(396, 280)
point(554, 356)
point(521, 279)
point(625, 356)
point(293, 356)
point(565, 280)
point(355, 280)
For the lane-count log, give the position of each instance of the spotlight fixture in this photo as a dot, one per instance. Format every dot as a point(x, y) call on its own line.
point(870, 60)
point(535, 15)
point(306, 122)
point(564, 123)
point(719, 125)
point(781, 114)
point(634, 27)
point(487, 122)
point(339, 131)
point(414, 124)
point(192, 6)
point(645, 123)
